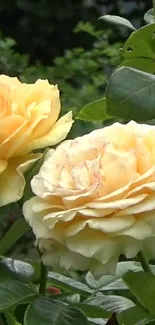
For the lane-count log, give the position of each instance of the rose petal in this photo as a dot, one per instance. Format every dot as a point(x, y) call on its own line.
point(12, 179)
point(57, 133)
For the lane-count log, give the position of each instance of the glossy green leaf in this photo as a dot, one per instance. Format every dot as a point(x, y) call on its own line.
point(68, 284)
point(149, 16)
point(13, 293)
point(15, 269)
point(135, 316)
point(117, 20)
point(142, 286)
point(111, 303)
point(17, 230)
point(130, 94)
point(95, 111)
point(45, 311)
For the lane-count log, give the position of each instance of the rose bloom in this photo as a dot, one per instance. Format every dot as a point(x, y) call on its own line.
point(95, 199)
point(28, 121)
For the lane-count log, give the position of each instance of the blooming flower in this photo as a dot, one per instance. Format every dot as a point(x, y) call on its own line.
point(28, 121)
point(95, 199)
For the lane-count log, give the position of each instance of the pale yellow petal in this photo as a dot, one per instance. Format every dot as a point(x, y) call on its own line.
point(12, 179)
point(146, 205)
point(140, 230)
point(57, 133)
point(34, 219)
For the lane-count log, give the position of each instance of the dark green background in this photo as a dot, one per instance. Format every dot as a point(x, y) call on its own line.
point(44, 28)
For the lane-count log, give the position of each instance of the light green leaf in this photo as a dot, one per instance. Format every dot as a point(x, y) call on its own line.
point(143, 64)
point(116, 20)
point(140, 44)
point(16, 270)
point(130, 94)
point(17, 230)
point(111, 303)
point(135, 316)
point(95, 111)
point(142, 286)
point(68, 284)
point(45, 311)
point(13, 293)
point(149, 16)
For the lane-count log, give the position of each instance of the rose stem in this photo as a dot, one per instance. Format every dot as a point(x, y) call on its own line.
point(43, 276)
point(144, 263)
point(43, 279)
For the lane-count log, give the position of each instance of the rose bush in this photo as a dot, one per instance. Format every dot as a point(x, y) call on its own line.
point(95, 199)
point(28, 121)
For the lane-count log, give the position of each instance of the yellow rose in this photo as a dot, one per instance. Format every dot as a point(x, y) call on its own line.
point(95, 199)
point(28, 121)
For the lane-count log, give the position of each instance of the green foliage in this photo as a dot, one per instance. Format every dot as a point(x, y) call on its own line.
point(16, 270)
point(122, 97)
point(13, 293)
point(96, 110)
point(81, 75)
point(45, 311)
point(13, 234)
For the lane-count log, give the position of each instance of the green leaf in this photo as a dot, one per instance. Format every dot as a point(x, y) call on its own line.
point(135, 316)
point(143, 64)
point(142, 286)
point(95, 111)
point(93, 311)
point(149, 16)
point(13, 293)
point(69, 284)
point(111, 303)
point(130, 94)
point(45, 311)
point(17, 230)
point(140, 44)
point(116, 20)
point(16, 270)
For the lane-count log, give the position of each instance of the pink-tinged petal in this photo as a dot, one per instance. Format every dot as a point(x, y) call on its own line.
point(96, 199)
